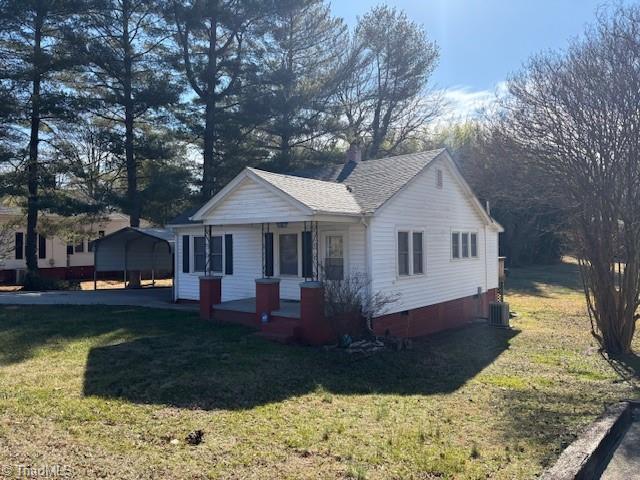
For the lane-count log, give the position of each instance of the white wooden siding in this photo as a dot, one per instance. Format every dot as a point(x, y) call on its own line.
point(251, 202)
point(437, 212)
point(247, 259)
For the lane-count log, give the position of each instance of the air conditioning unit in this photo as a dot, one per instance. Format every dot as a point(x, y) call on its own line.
point(21, 273)
point(499, 314)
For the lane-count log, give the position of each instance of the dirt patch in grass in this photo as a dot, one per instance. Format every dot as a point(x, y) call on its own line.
point(115, 395)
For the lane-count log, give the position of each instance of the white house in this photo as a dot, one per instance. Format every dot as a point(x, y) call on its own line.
point(410, 223)
point(56, 257)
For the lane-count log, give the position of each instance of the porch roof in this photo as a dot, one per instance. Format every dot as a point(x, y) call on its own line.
point(318, 195)
point(256, 196)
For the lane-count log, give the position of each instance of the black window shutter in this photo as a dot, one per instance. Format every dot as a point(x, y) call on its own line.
point(268, 254)
point(228, 254)
point(307, 255)
point(185, 254)
point(19, 245)
point(42, 246)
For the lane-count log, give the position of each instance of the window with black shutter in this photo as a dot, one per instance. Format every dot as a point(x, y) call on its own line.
point(42, 246)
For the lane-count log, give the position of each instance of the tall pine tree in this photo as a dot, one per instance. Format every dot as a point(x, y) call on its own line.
point(35, 57)
point(215, 41)
point(125, 80)
point(301, 71)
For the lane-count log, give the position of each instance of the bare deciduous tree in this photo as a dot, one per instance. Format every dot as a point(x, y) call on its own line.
point(578, 113)
point(385, 100)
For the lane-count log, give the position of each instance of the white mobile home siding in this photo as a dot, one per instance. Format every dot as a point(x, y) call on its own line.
point(437, 212)
point(56, 247)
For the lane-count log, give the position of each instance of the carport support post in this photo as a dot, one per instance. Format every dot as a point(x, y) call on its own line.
point(95, 265)
point(210, 295)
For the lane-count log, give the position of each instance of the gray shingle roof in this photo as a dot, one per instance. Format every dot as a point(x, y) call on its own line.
point(373, 182)
point(318, 195)
point(183, 218)
point(351, 188)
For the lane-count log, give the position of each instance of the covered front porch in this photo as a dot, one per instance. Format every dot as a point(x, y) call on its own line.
point(292, 260)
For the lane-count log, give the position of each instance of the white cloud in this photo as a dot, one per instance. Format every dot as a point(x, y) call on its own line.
point(463, 103)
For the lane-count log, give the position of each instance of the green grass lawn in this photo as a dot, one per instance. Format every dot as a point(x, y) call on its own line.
point(106, 390)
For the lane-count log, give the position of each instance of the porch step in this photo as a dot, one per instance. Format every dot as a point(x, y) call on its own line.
point(278, 337)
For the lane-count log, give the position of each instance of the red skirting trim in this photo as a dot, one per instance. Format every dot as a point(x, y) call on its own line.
point(434, 318)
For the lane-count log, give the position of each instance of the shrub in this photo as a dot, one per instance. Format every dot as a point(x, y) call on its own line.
point(37, 283)
point(351, 298)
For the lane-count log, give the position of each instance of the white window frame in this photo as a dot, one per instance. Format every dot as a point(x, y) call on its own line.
point(422, 251)
point(80, 244)
point(298, 235)
point(411, 231)
point(460, 233)
point(221, 236)
point(345, 248)
point(459, 252)
point(471, 255)
point(192, 254)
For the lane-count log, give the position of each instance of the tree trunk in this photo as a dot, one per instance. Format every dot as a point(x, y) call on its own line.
point(285, 151)
point(208, 167)
point(133, 198)
point(32, 165)
point(129, 117)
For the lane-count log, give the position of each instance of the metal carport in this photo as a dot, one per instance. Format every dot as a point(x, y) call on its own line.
point(134, 250)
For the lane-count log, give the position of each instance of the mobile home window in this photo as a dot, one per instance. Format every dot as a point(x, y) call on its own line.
point(199, 254)
point(215, 258)
point(465, 245)
point(455, 245)
point(79, 247)
point(42, 246)
point(19, 246)
point(474, 245)
point(418, 253)
point(288, 251)
point(403, 253)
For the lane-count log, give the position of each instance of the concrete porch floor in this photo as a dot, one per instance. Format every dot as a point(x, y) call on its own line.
point(288, 308)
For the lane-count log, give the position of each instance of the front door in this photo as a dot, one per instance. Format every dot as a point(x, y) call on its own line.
point(334, 257)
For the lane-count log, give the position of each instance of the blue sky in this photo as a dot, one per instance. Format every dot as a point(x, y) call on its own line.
point(483, 41)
